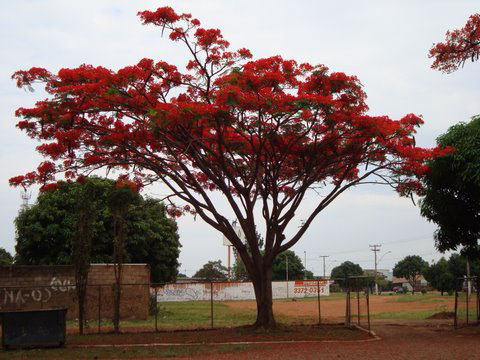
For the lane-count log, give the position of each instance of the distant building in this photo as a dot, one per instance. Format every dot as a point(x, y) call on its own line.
point(420, 283)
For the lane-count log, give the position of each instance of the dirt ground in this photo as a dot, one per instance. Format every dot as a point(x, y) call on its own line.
point(334, 310)
point(398, 341)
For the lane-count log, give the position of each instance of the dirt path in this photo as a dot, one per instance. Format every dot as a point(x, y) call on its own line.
point(426, 339)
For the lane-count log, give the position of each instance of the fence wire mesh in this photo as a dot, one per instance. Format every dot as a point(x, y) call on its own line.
point(357, 305)
point(158, 307)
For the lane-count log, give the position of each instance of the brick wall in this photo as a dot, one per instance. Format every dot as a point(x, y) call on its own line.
point(48, 287)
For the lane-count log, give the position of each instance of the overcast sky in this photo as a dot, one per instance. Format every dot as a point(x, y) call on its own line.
point(384, 43)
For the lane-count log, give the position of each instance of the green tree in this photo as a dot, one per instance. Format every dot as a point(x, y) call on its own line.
point(452, 189)
point(5, 257)
point(345, 270)
point(45, 232)
point(457, 265)
point(212, 271)
point(296, 270)
point(410, 268)
point(440, 276)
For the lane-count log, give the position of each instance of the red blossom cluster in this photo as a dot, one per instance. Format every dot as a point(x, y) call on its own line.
point(460, 45)
point(266, 128)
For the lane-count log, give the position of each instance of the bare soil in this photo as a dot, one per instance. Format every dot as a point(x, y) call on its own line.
point(334, 310)
point(442, 315)
point(399, 341)
point(225, 335)
point(434, 338)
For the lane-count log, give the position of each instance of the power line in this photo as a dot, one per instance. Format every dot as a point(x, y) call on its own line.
point(420, 237)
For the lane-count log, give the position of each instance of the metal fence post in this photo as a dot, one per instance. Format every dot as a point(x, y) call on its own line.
point(466, 299)
point(358, 303)
point(156, 310)
point(347, 312)
point(211, 303)
point(99, 308)
point(319, 308)
point(455, 321)
point(368, 307)
point(477, 283)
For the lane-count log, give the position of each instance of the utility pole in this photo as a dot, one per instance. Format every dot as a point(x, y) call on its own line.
point(25, 197)
point(324, 256)
point(375, 249)
point(305, 262)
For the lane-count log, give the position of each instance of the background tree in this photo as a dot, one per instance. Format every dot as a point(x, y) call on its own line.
point(457, 266)
point(460, 45)
point(452, 189)
point(410, 268)
point(260, 133)
point(5, 257)
point(345, 270)
point(296, 270)
point(46, 231)
point(212, 271)
point(440, 277)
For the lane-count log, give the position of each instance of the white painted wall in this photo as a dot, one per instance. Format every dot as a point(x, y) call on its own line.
point(240, 290)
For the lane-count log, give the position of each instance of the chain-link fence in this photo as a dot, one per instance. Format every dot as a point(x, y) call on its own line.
point(158, 307)
point(357, 301)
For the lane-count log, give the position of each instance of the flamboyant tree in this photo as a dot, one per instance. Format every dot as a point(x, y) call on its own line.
point(261, 133)
point(460, 45)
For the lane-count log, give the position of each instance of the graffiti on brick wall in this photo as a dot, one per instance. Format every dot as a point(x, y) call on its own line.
point(40, 294)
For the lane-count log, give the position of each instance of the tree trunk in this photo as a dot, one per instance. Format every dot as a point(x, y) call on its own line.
point(81, 287)
point(116, 306)
point(262, 284)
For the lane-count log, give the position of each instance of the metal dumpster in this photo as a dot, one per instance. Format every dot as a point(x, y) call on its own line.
point(33, 328)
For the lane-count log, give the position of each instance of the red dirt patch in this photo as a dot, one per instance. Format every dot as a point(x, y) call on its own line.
point(442, 315)
point(227, 335)
point(334, 309)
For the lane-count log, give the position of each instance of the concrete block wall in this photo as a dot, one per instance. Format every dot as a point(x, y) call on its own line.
point(44, 287)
